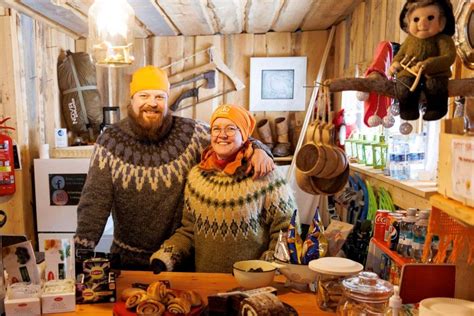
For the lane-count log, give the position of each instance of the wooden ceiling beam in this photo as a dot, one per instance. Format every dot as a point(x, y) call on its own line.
point(291, 15)
point(261, 15)
point(228, 15)
point(23, 9)
point(153, 18)
point(323, 14)
point(191, 17)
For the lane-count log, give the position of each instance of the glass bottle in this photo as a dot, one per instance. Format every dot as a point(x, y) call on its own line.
point(365, 294)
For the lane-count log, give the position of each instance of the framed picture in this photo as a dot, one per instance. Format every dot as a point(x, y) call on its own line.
point(277, 83)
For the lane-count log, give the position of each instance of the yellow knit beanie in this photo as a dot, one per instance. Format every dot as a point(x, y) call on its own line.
point(149, 78)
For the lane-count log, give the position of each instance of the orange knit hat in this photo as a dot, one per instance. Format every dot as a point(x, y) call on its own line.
point(149, 78)
point(237, 114)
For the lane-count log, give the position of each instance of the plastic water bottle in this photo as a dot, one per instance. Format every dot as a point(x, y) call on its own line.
point(416, 155)
point(394, 147)
point(419, 234)
point(398, 158)
point(402, 158)
point(405, 240)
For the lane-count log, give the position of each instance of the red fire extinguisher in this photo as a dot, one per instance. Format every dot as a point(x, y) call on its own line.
point(7, 167)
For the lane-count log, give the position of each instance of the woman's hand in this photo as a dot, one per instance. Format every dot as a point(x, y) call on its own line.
point(261, 164)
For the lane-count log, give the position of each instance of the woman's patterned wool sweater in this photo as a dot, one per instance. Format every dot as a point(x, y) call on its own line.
point(142, 183)
point(227, 219)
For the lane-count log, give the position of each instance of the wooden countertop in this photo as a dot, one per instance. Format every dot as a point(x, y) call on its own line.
point(205, 284)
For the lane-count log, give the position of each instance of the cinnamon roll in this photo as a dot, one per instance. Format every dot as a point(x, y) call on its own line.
point(150, 307)
point(126, 293)
point(179, 305)
point(135, 299)
point(193, 297)
point(157, 291)
point(169, 295)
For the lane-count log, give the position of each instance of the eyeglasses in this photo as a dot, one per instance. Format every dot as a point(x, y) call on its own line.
point(228, 130)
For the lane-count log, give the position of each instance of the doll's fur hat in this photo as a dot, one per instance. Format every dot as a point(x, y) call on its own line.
point(445, 5)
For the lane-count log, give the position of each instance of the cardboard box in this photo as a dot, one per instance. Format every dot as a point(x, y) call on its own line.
point(58, 303)
point(97, 283)
point(455, 153)
point(20, 263)
point(22, 306)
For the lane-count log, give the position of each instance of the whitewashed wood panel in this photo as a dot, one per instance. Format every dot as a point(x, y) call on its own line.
point(291, 15)
point(190, 16)
point(154, 19)
point(325, 13)
point(71, 19)
point(228, 15)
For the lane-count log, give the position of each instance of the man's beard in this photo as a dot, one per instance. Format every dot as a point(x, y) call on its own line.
point(150, 130)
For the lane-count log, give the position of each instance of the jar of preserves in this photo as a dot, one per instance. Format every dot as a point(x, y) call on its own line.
point(365, 294)
point(331, 273)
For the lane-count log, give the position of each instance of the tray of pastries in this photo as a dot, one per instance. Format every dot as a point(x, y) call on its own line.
point(158, 299)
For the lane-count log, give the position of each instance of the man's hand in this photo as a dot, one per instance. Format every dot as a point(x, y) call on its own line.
point(261, 164)
point(157, 266)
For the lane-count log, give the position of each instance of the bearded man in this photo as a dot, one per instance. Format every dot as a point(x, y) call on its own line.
point(138, 171)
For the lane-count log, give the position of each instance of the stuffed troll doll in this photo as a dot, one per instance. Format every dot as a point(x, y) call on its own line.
point(430, 25)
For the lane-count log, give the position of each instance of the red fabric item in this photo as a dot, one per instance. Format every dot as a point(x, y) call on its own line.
point(380, 65)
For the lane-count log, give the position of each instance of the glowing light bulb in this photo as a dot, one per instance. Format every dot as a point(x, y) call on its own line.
point(111, 32)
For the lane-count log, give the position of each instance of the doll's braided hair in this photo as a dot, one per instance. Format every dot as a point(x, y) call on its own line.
point(446, 9)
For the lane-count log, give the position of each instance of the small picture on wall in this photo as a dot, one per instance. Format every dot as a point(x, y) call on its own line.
point(277, 83)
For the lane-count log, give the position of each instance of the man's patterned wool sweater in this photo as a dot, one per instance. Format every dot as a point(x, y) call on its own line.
point(142, 183)
point(227, 219)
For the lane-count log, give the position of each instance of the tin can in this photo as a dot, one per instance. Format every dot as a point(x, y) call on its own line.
point(381, 220)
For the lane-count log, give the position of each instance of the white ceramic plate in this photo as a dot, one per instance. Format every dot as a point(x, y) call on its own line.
point(438, 306)
point(335, 266)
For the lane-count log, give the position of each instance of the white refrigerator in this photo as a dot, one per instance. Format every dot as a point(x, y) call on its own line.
point(58, 186)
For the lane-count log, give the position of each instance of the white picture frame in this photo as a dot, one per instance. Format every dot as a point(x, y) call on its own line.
point(277, 83)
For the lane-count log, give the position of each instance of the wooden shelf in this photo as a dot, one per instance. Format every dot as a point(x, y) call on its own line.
point(399, 260)
point(453, 208)
point(405, 194)
point(72, 152)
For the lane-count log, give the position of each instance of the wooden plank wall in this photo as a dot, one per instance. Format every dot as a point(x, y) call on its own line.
point(236, 51)
point(29, 94)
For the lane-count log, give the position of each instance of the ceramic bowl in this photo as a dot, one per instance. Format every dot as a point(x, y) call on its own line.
point(254, 279)
point(298, 273)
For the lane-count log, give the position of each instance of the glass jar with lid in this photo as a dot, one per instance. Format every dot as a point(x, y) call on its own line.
point(331, 272)
point(365, 294)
